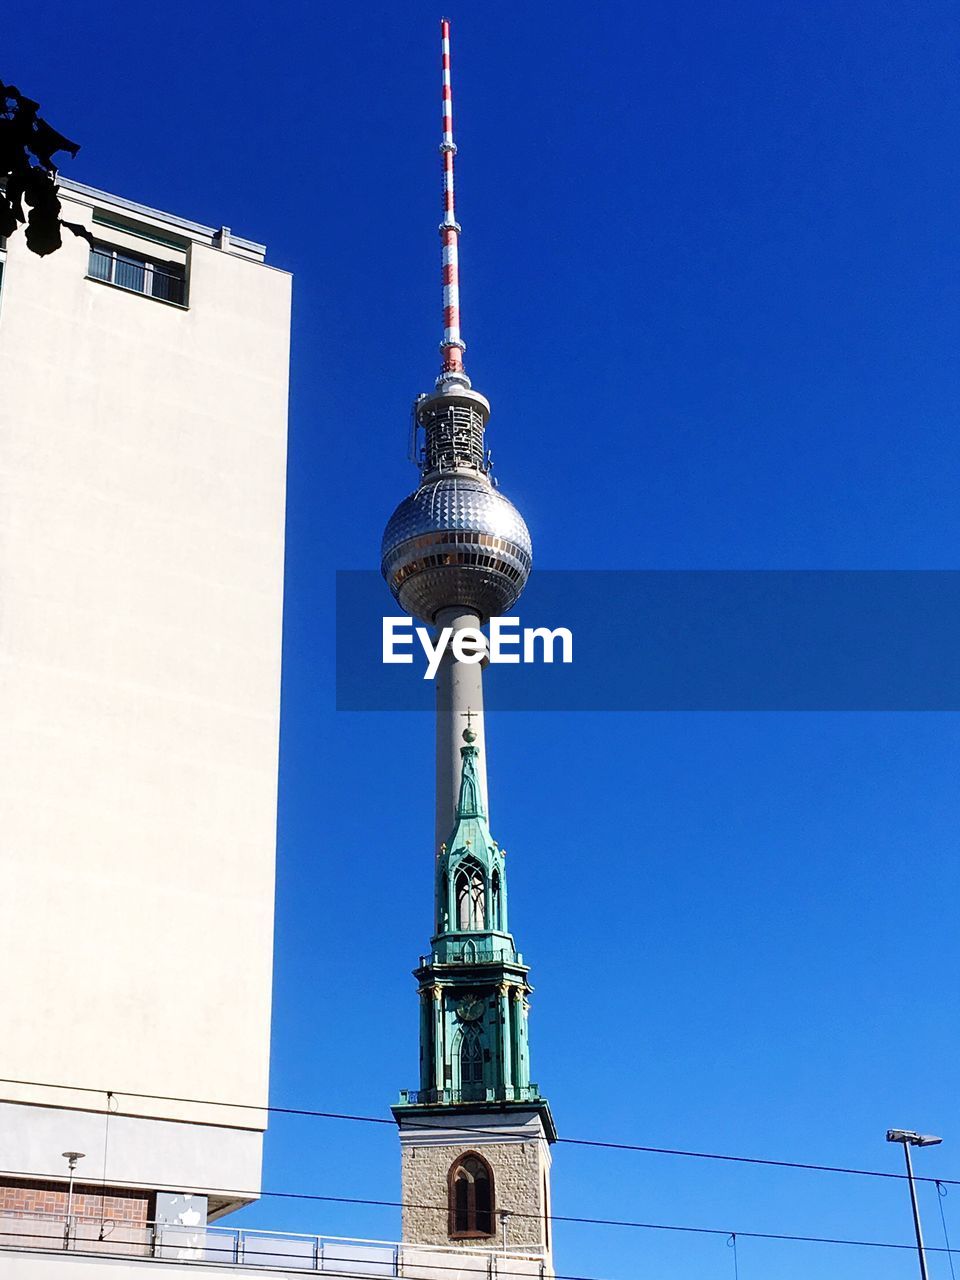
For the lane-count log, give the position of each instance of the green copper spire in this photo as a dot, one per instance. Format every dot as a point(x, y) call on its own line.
point(471, 887)
point(474, 1041)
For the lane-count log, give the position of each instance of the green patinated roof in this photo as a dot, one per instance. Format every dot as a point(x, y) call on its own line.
point(474, 986)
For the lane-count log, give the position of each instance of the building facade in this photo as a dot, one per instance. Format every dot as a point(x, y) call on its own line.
point(143, 421)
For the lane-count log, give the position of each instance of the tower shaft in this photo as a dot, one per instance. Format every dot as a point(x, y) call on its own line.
point(459, 692)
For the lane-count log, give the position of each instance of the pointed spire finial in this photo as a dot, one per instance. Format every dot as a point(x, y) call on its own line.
point(468, 734)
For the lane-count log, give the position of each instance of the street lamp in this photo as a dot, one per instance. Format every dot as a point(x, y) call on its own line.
point(910, 1139)
point(71, 1158)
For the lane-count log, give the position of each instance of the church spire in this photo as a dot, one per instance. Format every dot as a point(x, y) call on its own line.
point(471, 887)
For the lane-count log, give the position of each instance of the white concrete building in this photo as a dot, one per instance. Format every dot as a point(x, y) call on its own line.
point(143, 420)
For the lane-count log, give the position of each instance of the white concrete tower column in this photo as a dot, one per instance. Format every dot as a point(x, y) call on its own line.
point(459, 690)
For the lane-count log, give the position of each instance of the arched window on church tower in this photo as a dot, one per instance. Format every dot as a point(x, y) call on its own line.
point(471, 1200)
point(471, 1063)
point(470, 894)
point(495, 901)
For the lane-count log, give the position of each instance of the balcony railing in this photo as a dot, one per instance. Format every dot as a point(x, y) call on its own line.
point(470, 952)
point(251, 1247)
point(137, 274)
point(470, 1093)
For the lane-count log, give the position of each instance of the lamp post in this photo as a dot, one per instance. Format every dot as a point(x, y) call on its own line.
point(910, 1139)
point(71, 1158)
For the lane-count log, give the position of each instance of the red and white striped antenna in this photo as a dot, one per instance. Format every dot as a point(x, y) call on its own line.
point(452, 347)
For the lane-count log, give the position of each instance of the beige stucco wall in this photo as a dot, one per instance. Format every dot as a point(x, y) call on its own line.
point(142, 464)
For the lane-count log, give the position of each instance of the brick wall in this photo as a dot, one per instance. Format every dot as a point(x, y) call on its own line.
point(130, 1207)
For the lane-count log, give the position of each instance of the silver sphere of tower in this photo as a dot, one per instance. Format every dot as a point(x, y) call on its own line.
point(456, 542)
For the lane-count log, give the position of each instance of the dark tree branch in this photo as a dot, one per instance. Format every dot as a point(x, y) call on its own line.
point(28, 174)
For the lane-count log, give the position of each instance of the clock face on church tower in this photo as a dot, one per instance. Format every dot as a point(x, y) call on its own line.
point(470, 1009)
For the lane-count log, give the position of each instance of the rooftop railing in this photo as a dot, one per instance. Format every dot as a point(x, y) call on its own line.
point(270, 1250)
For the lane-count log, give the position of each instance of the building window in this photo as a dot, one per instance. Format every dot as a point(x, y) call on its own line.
point(495, 901)
point(470, 897)
point(470, 1192)
point(471, 1061)
point(165, 280)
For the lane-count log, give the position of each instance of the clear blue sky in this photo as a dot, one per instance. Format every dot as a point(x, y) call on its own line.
point(710, 286)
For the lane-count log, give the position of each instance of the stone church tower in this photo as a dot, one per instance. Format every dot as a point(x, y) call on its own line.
point(475, 1137)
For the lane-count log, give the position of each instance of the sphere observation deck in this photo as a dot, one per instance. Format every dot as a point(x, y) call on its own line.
point(456, 542)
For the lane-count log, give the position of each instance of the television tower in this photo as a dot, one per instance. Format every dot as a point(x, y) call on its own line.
point(475, 1136)
point(456, 551)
